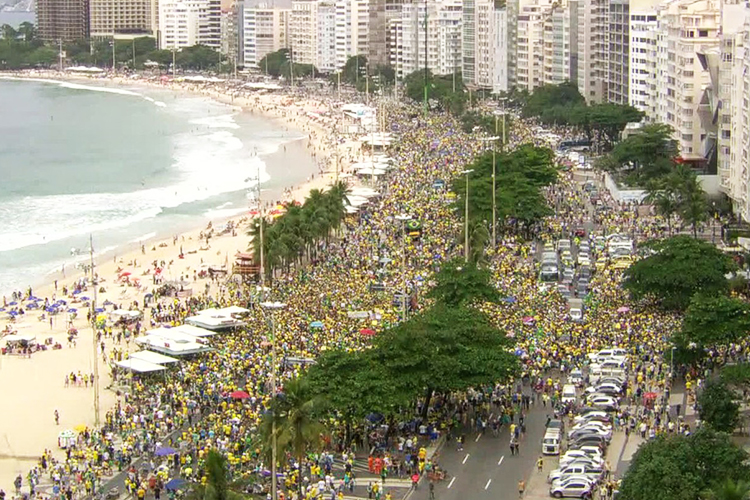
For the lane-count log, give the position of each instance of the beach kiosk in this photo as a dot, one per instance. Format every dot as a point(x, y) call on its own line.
point(20, 344)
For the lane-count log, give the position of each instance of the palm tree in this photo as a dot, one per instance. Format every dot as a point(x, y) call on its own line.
point(693, 204)
point(663, 194)
point(728, 490)
point(216, 471)
point(295, 417)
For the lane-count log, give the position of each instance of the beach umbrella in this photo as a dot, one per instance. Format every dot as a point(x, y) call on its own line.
point(13, 313)
point(99, 310)
point(163, 451)
point(76, 292)
point(2, 309)
point(125, 273)
point(12, 303)
point(239, 395)
point(84, 298)
point(60, 301)
point(316, 324)
point(72, 310)
point(176, 484)
point(367, 332)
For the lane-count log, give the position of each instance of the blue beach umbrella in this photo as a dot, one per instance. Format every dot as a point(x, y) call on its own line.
point(13, 313)
point(2, 309)
point(61, 302)
point(99, 310)
point(72, 310)
point(84, 298)
point(12, 303)
point(176, 484)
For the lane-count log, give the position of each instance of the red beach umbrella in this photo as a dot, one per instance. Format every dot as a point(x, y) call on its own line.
point(239, 395)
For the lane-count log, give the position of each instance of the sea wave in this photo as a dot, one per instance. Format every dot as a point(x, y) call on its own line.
point(222, 121)
point(89, 88)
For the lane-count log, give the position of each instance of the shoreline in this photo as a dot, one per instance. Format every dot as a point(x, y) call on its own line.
point(39, 393)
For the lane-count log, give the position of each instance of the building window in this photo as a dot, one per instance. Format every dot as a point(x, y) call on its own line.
point(703, 33)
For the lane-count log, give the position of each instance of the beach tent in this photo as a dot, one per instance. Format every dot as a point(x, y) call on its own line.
point(171, 347)
point(173, 334)
point(122, 313)
point(214, 321)
point(139, 366)
point(17, 337)
point(194, 331)
point(153, 357)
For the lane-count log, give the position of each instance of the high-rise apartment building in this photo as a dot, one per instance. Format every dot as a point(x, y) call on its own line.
point(312, 33)
point(556, 62)
point(618, 53)
point(642, 56)
point(123, 17)
point(380, 13)
point(529, 45)
point(352, 29)
point(686, 28)
point(265, 30)
point(485, 45)
point(184, 23)
point(593, 49)
point(429, 36)
point(62, 20)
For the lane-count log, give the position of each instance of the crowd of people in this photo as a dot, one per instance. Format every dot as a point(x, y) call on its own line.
point(190, 408)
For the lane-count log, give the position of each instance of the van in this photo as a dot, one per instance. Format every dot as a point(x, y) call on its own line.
point(551, 442)
point(569, 393)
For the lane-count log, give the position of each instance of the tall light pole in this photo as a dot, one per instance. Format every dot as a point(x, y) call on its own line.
point(273, 306)
point(494, 187)
point(466, 216)
point(93, 333)
point(404, 219)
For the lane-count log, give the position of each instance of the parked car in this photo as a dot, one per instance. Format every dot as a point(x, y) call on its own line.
point(576, 487)
point(576, 469)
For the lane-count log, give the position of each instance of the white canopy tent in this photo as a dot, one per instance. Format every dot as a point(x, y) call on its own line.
point(153, 357)
point(123, 313)
point(171, 347)
point(214, 321)
point(194, 331)
point(139, 365)
point(174, 334)
point(20, 337)
point(364, 192)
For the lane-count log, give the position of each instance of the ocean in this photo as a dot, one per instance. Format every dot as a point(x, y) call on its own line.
point(124, 165)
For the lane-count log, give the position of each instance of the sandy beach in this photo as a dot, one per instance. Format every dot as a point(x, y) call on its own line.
point(37, 382)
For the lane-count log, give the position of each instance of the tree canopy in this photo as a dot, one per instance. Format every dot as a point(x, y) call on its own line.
point(679, 467)
point(643, 156)
point(680, 267)
point(715, 320)
point(717, 406)
point(520, 176)
point(439, 90)
point(460, 283)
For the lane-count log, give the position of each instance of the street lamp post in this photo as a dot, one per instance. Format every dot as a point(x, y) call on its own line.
point(466, 216)
point(403, 218)
point(494, 187)
point(273, 306)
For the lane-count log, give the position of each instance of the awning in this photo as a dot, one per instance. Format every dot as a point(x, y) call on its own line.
point(139, 366)
point(153, 357)
point(194, 331)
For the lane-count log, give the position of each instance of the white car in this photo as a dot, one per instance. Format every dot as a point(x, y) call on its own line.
point(573, 455)
point(602, 401)
point(576, 469)
point(575, 377)
point(585, 459)
point(592, 415)
point(576, 487)
point(576, 314)
point(592, 423)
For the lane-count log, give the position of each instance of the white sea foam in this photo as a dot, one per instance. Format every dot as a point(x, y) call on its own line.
point(223, 213)
point(222, 121)
point(143, 237)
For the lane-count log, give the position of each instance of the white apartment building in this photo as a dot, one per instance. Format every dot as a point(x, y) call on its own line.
point(618, 53)
point(593, 49)
point(439, 47)
point(183, 23)
point(642, 56)
point(737, 187)
point(352, 34)
point(529, 45)
point(312, 33)
point(686, 28)
point(123, 17)
point(265, 30)
point(556, 61)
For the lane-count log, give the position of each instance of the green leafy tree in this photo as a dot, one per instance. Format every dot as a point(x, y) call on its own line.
point(446, 348)
point(715, 320)
point(717, 406)
point(459, 283)
point(664, 195)
point(609, 120)
point(737, 375)
point(679, 467)
point(693, 202)
point(681, 267)
point(643, 156)
point(546, 97)
point(272, 62)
